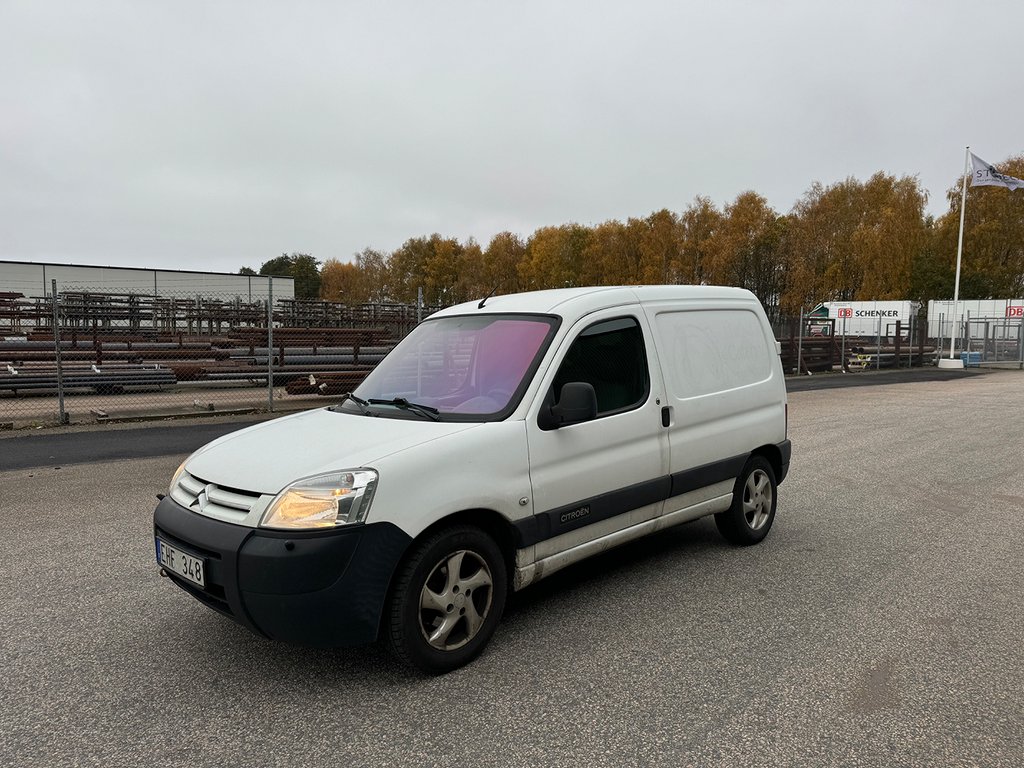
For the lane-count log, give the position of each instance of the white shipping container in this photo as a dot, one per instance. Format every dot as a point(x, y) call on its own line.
point(942, 311)
point(864, 318)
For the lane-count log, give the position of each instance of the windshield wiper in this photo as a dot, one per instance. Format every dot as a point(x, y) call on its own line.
point(355, 399)
point(400, 402)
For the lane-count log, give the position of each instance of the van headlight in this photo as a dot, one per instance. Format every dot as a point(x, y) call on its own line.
point(177, 474)
point(324, 501)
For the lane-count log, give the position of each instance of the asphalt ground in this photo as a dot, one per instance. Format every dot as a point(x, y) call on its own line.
point(879, 624)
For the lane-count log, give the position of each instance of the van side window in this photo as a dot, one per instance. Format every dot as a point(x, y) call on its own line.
point(610, 356)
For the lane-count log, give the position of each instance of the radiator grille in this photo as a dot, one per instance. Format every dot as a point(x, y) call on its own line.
point(211, 500)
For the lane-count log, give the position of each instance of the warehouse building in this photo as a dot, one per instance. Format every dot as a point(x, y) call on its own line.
point(35, 279)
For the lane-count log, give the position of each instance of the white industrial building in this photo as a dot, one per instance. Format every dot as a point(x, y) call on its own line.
point(33, 278)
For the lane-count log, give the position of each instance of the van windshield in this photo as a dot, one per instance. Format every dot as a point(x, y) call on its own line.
point(468, 368)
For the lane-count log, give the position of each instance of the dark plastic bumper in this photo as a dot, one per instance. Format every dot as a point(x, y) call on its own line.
point(320, 589)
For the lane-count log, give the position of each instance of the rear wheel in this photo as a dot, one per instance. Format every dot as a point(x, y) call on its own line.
point(447, 600)
point(754, 496)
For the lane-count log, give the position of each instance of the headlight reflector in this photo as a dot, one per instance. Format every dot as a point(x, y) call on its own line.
point(324, 501)
point(176, 475)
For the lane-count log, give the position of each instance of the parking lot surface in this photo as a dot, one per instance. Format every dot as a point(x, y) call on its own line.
point(879, 624)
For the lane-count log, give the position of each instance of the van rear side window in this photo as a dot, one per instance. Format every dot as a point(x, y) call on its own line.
point(712, 350)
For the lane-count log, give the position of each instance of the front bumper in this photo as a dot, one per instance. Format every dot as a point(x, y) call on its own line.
point(323, 588)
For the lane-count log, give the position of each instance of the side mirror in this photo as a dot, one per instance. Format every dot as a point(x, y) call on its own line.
point(578, 403)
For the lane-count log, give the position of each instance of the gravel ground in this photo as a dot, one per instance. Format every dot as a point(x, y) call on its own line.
point(879, 624)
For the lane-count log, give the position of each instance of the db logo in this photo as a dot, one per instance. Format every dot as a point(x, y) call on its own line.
point(848, 311)
point(1015, 311)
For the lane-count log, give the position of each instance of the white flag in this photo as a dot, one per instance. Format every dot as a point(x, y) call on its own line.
point(985, 175)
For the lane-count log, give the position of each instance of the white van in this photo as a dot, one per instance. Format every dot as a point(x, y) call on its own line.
point(500, 441)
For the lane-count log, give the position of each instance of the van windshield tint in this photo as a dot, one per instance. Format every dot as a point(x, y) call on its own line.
point(470, 368)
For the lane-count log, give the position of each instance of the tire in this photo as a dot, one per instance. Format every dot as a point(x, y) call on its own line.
point(754, 497)
point(439, 622)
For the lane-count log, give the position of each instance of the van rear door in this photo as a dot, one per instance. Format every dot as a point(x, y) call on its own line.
point(724, 393)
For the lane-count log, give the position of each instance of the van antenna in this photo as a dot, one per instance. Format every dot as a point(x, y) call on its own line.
point(485, 298)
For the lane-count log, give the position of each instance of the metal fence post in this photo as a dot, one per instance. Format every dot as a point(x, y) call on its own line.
point(1020, 341)
point(270, 343)
point(61, 414)
point(800, 344)
point(878, 345)
point(967, 338)
point(910, 344)
point(842, 361)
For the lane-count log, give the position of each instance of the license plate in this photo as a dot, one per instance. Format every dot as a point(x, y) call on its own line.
point(183, 564)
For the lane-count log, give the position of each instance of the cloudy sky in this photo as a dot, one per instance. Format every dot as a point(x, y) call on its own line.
point(212, 135)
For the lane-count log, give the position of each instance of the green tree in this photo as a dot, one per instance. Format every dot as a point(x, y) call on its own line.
point(249, 271)
point(301, 267)
point(280, 266)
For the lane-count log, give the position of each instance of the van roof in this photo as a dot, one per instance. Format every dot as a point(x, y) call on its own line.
point(580, 301)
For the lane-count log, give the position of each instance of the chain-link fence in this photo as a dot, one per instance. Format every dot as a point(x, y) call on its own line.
point(81, 353)
point(820, 344)
point(982, 340)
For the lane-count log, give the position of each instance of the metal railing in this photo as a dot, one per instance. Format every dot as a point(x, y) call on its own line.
point(82, 354)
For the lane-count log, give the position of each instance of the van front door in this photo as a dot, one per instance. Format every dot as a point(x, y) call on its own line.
point(598, 476)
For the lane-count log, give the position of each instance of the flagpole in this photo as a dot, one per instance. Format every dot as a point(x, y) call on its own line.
point(959, 252)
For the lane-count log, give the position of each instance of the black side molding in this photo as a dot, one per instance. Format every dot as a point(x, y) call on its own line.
point(554, 522)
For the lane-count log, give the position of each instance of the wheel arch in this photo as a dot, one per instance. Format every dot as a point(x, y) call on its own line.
point(493, 523)
point(773, 456)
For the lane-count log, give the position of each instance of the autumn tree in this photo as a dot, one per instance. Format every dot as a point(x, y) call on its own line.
point(698, 226)
point(611, 254)
point(891, 235)
point(375, 276)
point(823, 268)
point(500, 263)
point(555, 257)
point(341, 281)
point(432, 263)
point(856, 240)
point(746, 250)
point(660, 247)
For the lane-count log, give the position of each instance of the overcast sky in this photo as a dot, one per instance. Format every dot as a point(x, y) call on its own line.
point(212, 135)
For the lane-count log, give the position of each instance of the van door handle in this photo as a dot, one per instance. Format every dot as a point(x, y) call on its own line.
point(666, 416)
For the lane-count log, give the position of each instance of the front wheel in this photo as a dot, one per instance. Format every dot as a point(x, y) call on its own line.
point(754, 496)
point(447, 600)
